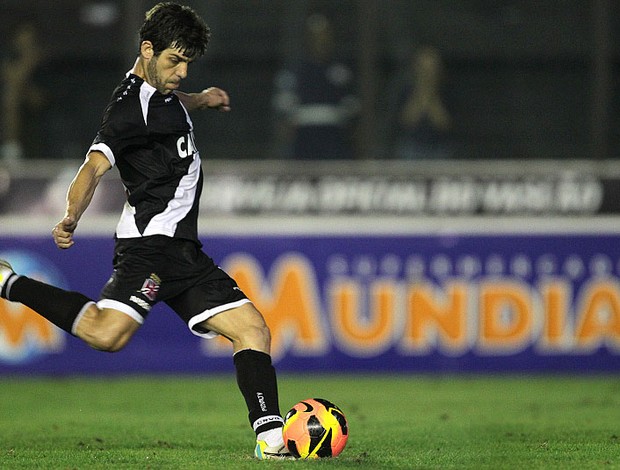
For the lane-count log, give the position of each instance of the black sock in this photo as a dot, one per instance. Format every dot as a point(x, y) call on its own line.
point(256, 378)
point(59, 306)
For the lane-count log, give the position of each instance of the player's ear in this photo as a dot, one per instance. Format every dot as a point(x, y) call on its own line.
point(146, 49)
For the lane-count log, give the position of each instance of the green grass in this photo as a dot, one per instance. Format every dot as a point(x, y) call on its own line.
point(395, 422)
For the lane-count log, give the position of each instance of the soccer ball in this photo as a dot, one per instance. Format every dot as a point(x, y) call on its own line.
point(315, 428)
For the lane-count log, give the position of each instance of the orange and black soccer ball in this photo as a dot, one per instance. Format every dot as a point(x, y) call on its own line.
point(315, 428)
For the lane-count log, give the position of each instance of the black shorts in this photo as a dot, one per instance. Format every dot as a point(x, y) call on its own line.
point(176, 271)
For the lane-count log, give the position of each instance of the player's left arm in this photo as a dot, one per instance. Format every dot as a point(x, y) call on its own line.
point(213, 97)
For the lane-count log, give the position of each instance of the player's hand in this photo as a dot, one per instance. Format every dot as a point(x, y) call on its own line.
point(215, 98)
point(63, 232)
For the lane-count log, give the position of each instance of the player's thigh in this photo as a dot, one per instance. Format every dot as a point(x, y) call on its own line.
point(210, 294)
point(137, 280)
point(105, 328)
point(243, 325)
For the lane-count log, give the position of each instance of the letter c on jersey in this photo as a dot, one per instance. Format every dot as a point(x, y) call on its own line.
point(186, 146)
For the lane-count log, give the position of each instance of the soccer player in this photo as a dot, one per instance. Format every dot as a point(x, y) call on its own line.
point(146, 132)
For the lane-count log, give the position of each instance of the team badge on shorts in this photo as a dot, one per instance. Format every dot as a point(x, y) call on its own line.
point(150, 288)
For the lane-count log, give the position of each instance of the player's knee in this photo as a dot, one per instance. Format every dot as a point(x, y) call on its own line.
point(257, 335)
point(105, 340)
point(111, 343)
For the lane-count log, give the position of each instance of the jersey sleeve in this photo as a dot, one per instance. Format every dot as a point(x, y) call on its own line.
point(122, 127)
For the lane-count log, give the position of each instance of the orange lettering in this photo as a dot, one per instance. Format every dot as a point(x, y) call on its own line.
point(288, 302)
point(599, 317)
point(506, 317)
point(363, 330)
point(556, 298)
point(435, 318)
point(19, 324)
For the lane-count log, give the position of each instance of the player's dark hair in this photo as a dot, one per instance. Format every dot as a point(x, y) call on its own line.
point(169, 24)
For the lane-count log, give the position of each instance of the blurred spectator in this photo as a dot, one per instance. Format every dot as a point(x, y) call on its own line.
point(423, 122)
point(314, 100)
point(20, 92)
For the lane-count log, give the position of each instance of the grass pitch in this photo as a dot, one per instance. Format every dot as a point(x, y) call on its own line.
point(410, 422)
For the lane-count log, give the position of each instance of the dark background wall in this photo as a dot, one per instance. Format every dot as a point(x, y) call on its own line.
point(526, 79)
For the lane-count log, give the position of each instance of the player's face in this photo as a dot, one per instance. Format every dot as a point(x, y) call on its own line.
point(166, 70)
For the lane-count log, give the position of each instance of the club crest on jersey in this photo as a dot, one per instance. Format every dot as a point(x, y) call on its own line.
point(186, 145)
point(150, 288)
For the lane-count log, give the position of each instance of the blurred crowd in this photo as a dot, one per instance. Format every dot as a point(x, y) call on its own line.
point(435, 98)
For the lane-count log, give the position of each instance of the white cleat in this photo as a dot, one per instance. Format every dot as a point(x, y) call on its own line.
point(264, 452)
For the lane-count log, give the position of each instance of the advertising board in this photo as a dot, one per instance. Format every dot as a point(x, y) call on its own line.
point(451, 302)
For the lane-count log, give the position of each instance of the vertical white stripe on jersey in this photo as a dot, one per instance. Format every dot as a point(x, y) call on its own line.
point(126, 227)
point(146, 91)
point(165, 223)
point(189, 119)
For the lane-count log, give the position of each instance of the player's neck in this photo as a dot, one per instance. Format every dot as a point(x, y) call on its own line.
point(139, 69)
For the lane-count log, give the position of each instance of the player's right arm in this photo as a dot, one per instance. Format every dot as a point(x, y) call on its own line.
point(213, 98)
point(79, 195)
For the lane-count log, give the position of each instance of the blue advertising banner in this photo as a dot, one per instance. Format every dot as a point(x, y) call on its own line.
point(406, 303)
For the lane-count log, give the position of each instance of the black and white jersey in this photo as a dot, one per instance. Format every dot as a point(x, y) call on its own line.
point(148, 136)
